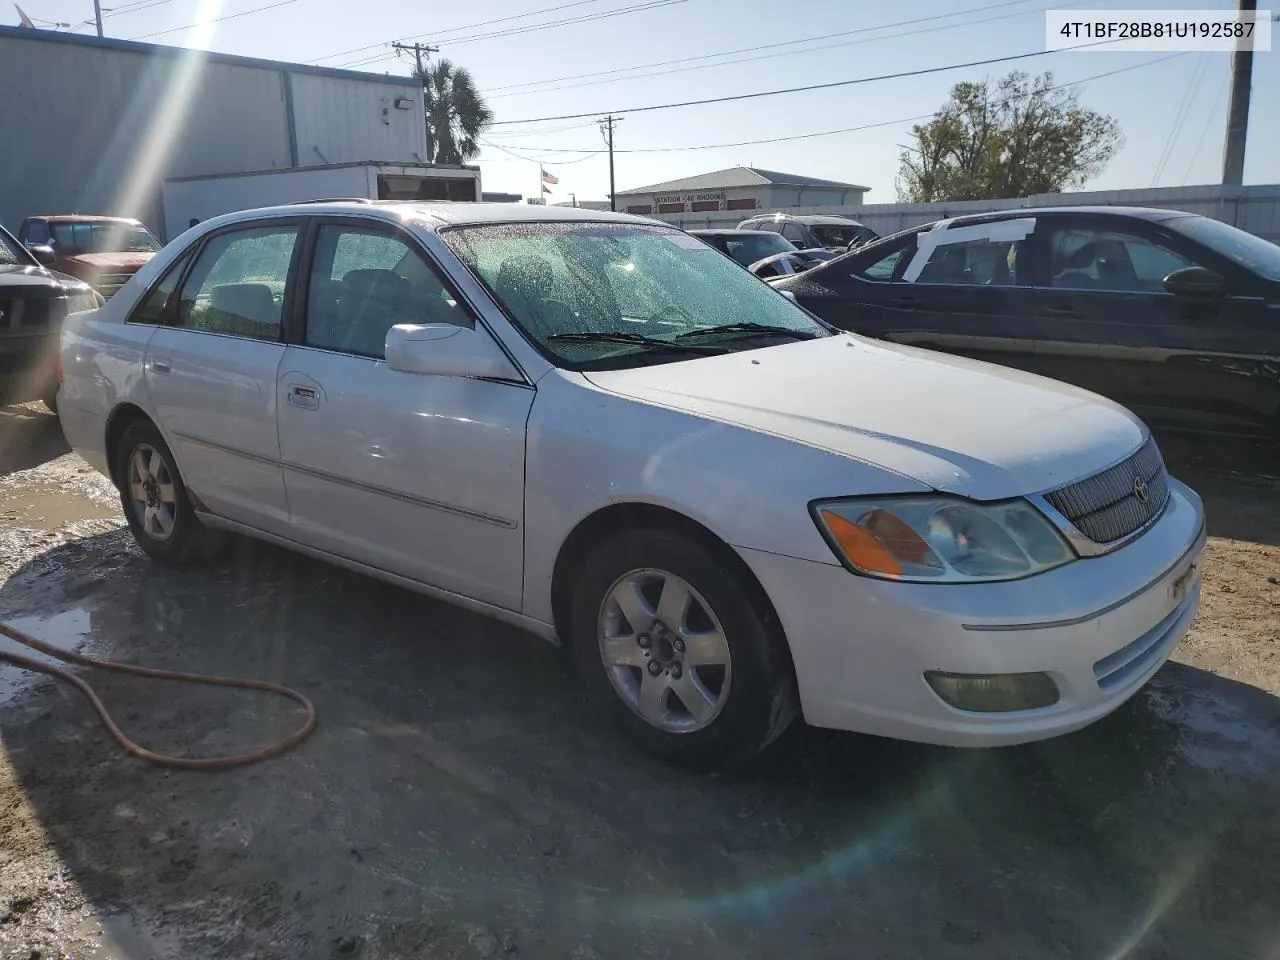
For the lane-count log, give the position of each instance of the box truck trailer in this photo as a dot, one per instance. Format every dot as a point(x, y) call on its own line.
point(199, 198)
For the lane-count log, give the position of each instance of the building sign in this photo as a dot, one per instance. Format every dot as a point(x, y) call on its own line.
point(690, 197)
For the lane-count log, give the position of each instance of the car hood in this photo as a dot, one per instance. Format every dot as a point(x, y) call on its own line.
point(24, 275)
point(955, 425)
point(113, 261)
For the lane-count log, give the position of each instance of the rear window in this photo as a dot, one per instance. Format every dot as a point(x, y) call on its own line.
point(76, 238)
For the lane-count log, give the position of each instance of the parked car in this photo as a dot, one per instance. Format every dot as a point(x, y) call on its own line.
point(104, 252)
point(597, 428)
point(33, 303)
point(764, 253)
point(1176, 316)
point(837, 234)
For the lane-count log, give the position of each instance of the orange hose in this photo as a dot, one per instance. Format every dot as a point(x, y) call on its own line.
point(142, 753)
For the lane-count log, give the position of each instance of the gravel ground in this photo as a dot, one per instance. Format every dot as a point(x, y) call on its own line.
point(460, 801)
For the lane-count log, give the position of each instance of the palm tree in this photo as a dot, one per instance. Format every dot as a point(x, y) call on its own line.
point(456, 113)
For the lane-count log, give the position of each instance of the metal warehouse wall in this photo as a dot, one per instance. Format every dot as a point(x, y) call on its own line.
point(339, 121)
point(95, 126)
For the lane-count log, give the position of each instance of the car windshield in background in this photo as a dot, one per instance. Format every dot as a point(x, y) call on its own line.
point(747, 249)
point(77, 238)
point(10, 255)
point(598, 295)
point(1251, 252)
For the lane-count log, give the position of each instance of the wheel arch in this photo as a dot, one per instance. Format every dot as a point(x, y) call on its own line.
point(616, 518)
point(118, 421)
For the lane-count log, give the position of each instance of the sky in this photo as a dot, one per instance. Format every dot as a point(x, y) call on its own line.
point(1172, 113)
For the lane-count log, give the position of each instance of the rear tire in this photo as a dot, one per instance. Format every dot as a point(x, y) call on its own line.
point(702, 678)
point(155, 501)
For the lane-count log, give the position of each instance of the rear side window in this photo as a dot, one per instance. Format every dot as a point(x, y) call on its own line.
point(151, 308)
point(237, 283)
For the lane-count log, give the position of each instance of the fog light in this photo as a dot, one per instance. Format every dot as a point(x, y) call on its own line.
point(994, 693)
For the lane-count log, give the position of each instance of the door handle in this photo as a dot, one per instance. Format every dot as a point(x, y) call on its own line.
point(160, 365)
point(904, 301)
point(1067, 313)
point(305, 398)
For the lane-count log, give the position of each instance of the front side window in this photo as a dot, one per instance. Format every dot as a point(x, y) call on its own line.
point(608, 295)
point(1086, 258)
point(794, 233)
point(36, 233)
point(238, 282)
point(151, 309)
point(364, 282)
point(980, 262)
point(1250, 251)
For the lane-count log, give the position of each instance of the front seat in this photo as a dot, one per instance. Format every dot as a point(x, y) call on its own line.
point(370, 303)
point(525, 285)
point(245, 308)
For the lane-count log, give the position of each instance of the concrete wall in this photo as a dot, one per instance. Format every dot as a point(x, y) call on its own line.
point(94, 126)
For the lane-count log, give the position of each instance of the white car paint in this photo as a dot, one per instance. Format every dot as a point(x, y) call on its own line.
point(468, 488)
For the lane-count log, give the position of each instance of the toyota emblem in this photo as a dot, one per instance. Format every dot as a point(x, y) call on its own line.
point(1140, 489)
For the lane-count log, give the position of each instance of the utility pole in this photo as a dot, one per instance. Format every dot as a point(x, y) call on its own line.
point(1238, 111)
point(97, 15)
point(419, 50)
point(606, 127)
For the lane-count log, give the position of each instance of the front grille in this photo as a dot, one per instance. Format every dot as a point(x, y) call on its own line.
point(1106, 506)
point(108, 283)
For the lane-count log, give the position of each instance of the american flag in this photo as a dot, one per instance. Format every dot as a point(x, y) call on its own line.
point(550, 178)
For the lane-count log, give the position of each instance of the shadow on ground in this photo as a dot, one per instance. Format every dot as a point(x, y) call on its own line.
point(1238, 477)
point(460, 800)
point(29, 436)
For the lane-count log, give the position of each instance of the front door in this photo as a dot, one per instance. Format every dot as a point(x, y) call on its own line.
point(422, 476)
point(211, 374)
point(1105, 322)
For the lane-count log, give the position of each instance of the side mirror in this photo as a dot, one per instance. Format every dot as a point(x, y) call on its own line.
point(446, 350)
point(43, 252)
point(1198, 282)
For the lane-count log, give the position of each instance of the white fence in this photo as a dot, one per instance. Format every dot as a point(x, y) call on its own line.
point(1253, 208)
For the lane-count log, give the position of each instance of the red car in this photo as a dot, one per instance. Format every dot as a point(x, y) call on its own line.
point(104, 252)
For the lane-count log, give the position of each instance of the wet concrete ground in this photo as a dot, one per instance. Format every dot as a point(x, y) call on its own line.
point(460, 800)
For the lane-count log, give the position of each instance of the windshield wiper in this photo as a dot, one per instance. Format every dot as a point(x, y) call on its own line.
point(623, 336)
point(749, 327)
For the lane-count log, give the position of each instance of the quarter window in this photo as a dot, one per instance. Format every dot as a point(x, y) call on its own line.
point(363, 283)
point(237, 284)
point(151, 309)
point(1100, 259)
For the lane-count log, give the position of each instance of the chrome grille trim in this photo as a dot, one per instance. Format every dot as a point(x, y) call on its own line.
point(1104, 510)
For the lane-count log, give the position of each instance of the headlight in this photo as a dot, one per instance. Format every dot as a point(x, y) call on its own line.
point(941, 539)
point(80, 302)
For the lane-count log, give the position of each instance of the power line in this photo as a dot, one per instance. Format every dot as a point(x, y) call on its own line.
point(547, 25)
point(136, 7)
point(864, 126)
point(1184, 108)
point(804, 89)
point(490, 93)
point(469, 26)
point(204, 23)
point(1204, 132)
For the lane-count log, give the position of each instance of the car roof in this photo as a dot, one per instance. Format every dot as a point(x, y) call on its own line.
point(814, 220)
point(87, 218)
point(728, 232)
point(1141, 213)
point(436, 214)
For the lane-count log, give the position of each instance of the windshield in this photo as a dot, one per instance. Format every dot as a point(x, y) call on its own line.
point(76, 238)
point(749, 248)
point(1251, 252)
point(10, 255)
point(840, 235)
point(564, 283)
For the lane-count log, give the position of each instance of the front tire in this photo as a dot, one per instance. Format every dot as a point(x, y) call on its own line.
point(155, 500)
point(688, 659)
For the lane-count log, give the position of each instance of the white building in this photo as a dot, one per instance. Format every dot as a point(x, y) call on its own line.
point(726, 197)
point(94, 126)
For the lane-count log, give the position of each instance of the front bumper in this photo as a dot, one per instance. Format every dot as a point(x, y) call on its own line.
point(1100, 627)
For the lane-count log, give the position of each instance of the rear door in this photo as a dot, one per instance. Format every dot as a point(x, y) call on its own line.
point(1105, 322)
point(962, 290)
point(211, 374)
point(418, 475)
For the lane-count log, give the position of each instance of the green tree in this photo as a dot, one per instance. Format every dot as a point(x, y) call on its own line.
point(1014, 138)
point(456, 113)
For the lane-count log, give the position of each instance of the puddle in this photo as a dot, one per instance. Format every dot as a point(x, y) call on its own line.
point(67, 630)
point(46, 508)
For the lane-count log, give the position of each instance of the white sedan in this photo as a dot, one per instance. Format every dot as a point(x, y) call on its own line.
point(598, 428)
